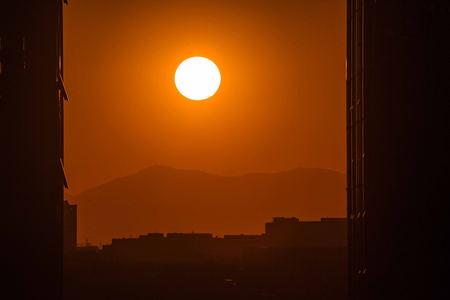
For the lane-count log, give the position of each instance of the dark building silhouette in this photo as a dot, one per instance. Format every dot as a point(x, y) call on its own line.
point(298, 272)
point(87, 248)
point(200, 266)
point(291, 232)
point(232, 246)
point(31, 149)
point(70, 228)
point(397, 115)
point(281, 233)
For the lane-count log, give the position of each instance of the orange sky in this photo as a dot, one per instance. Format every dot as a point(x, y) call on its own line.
point(281, 103)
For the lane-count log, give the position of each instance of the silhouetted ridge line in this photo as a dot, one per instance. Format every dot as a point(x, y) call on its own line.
point(168, 169)
point(173, 200)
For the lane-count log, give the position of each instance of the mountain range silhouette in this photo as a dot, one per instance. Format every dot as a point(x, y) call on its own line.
point(164, 199)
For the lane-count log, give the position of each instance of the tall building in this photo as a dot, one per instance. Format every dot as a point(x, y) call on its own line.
point(70, 228)
point(31, 148)
point(397, 115)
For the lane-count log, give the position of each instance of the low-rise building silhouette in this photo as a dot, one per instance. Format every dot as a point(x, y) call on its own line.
point(309, 261)
point(291, 232)
point(281, 233)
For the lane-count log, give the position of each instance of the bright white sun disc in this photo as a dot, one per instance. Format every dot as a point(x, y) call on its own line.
point(197, 78)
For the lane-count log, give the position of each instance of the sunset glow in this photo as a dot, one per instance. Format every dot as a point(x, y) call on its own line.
point(277, 105)
point(197, 78)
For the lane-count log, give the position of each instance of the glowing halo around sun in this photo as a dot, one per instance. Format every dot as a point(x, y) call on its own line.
point(197, 78)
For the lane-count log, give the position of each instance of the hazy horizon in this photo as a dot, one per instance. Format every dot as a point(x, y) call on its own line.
point(166, 199)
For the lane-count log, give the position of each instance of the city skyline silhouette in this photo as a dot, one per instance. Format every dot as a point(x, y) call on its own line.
point(292, 258)
point(164, 199)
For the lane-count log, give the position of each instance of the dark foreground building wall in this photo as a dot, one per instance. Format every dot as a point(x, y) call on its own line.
point(397, 115)
point(31, 149)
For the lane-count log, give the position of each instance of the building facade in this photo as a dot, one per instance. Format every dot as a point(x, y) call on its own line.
point(70, 228)
point(31, 148)
point(397, 110)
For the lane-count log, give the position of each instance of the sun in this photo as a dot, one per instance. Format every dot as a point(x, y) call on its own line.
point(197, 78)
